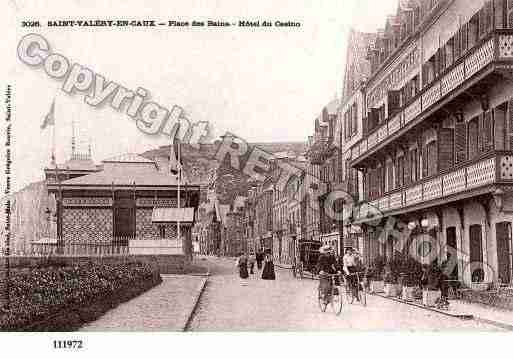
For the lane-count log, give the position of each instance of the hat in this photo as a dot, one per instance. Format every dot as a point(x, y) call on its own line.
point(325, 249)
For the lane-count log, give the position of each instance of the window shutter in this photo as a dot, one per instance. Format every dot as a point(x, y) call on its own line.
point(381, 174)
point(424, 75)
point(390, 175)
point(355, 119)
point(482, 22)
point(424, 161)
point(349, 177)
point(460, 142)
point(399, 165)
point(509, 13)
point(488, 131)
point(473, 137)
point(481, 133)
point(442, 59)
point(393, 103)
point(368, 184)
point(432, 158)
point(510, 122)
point(464, 37)
point(437, 63)
point(457, 46)
point(498, 13)
point(488, 9)
point(445, 148)
point(407, 168)
point(499, 128)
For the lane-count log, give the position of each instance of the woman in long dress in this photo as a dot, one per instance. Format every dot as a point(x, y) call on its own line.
point(242, 263)
point(268, 271)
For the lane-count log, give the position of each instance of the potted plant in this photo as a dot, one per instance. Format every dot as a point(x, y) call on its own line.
point(391, 287)
point(431, 279)
point(478, 283)
point(375, 275)
point(413, 272)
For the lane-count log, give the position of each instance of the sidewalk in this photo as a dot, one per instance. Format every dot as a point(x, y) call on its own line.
point(484, 313)
point(166, 307)
point(464, 310)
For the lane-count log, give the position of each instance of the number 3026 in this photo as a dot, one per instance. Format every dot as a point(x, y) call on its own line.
point(67, 344)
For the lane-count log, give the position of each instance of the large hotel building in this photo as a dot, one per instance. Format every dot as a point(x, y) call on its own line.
point(428, 132)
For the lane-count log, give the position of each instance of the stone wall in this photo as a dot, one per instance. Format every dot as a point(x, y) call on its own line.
point(86, 224)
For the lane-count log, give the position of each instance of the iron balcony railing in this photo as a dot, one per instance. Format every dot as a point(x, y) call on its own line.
point(494, 50)
point(493, 168)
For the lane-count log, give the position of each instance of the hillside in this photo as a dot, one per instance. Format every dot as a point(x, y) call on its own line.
point(201, 164)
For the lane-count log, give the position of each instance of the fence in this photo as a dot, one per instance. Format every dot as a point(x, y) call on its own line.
point(93, 248)
point(100, 247)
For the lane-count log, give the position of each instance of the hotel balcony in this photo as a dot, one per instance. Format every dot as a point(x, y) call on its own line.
point(487, 174)
point(492, 55)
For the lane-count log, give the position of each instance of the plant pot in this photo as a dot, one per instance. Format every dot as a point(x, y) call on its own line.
point(376, 286)
point(392, 289)
point(409, 293)
point(479, 287)
point(429, 297)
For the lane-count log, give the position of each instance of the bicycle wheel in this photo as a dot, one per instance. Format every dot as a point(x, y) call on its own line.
point(322, 302)
point(349, 294)
point(363, 296)
point(336, 300)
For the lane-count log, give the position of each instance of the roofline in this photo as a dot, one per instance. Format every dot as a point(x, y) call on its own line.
point(54, 186)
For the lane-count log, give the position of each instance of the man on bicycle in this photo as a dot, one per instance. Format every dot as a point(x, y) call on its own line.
point(350, 267)
point(326, 264)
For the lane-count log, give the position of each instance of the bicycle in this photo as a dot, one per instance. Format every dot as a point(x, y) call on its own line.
point(357, 291)
point(333, 296)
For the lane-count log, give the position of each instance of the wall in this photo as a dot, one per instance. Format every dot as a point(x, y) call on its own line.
point(85, 224)
point(145, 228)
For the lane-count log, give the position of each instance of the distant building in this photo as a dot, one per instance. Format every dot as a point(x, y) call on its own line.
point(125, 199)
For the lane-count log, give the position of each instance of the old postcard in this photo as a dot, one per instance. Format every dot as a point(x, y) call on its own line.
point(256, 166)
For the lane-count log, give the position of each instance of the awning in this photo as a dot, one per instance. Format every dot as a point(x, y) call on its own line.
point(172, 215)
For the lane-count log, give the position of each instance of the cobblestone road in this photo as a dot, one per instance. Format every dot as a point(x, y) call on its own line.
point(164, 308)
point(290, 304)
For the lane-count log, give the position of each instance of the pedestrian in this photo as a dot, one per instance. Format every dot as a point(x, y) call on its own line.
point(259, 259)
point(251, 261)
point(268, 271)
point(242, 264)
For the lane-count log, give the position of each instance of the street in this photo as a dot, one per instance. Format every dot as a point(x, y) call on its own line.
point(289, 304)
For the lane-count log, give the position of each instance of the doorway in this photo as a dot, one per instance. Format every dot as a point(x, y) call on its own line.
point(124, 217)
point(452, 250)
point(503, 236)
point(476, 252)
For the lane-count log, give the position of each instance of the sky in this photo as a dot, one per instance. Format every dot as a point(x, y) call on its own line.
point(262, 84)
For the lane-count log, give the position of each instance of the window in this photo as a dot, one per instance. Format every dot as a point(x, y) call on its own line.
point(449, 52)
point(354, 120)
point(400, 171)
point(473, 31)
point(473, 138)
point(162, 231)
point(432, 158)
point(390, 176)
point(476, 252)
point(414, 155)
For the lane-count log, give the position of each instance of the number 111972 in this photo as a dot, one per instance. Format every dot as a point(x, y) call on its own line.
point(67, 344)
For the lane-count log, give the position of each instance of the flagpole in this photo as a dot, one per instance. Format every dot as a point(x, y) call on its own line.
point(179, 182)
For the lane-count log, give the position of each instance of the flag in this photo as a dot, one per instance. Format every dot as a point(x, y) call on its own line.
point(50, 117)
point(174, 160)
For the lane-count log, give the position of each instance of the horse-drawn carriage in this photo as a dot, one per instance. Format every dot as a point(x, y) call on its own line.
point(307, 255)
